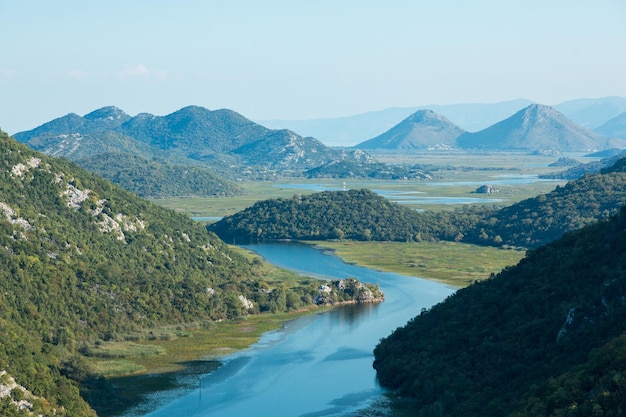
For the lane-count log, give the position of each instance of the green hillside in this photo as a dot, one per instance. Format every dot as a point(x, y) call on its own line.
point(352, 214)
point(364, 215)
point(155, 178)
point(544, 338)
point(539, 220)
point(221, 141)
point(84, 261)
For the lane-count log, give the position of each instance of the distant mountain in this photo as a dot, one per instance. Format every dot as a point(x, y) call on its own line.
point(592, 112)
point(614, 128)
point(472, 117)
point(543, 338)
point(221, 140)
point(536, 127)
point(284, 149)
point(132, 164)
point(194, 130)
point(422, 129)
point(352, 130)
point(106, 118)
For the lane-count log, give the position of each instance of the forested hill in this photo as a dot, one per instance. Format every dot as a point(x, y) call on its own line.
point(84, 260)
point(544, 338)
point(364, 215)
point(352, 214)
point(539, 220)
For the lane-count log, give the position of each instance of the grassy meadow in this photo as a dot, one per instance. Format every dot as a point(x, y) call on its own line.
point(451, 263)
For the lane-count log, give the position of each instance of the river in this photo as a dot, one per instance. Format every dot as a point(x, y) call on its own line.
point(319, 365)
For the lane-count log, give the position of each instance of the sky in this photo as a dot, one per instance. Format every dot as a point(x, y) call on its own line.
point(296, 59)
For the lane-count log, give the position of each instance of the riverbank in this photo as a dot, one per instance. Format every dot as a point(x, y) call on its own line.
point(450, 263)
point(173, 359)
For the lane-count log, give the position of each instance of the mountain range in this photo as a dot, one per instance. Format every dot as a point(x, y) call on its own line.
point(533, 128)
point(218, 141)
point(221, 146)
point(472, 117)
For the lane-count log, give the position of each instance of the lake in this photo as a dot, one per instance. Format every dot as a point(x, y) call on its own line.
point(319, 365)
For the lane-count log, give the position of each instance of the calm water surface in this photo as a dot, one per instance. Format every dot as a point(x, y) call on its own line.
point(315, 366)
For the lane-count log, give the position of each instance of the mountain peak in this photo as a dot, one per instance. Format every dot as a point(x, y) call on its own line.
point(422, 129)
point(425, 115)
point(108, 114)
point(536, 127)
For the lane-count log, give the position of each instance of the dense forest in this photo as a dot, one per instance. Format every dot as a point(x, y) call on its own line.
point(353, 214)
point(84, 260)
point(364, 215)
point(546, 337)
point(539, 220)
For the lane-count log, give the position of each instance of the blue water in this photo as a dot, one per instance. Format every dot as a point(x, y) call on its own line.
point(318, 365)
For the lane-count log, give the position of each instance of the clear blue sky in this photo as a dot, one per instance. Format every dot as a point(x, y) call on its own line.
point(293, 59)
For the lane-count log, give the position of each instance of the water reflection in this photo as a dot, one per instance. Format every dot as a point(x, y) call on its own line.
point(353, 313)
point(317, 365)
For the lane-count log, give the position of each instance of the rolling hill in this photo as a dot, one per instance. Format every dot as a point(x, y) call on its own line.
point(536, 128)
point(538, 220)
point(351, 214)
point(423, 129)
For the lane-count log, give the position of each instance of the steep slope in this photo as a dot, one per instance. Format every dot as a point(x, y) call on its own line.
point(84, 260)
point(614, 128)
point(422, 129)
point(537, 127)
point(506, 345)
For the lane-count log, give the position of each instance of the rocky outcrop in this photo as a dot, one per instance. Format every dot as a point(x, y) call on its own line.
point(486, 189)
point(565, 162)
point(348, 291)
